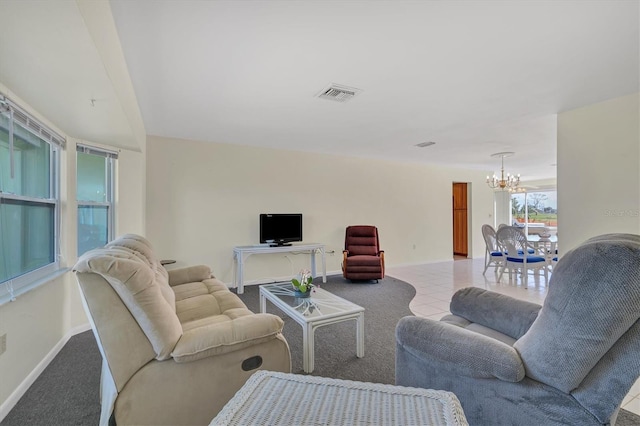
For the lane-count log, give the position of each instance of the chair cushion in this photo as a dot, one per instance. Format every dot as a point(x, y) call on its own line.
point(478, 328)
point(361, 240)
point(362, 246)
point(530, 259)
point(373, 261)
point(499, 312)
point(521, 252)
point(140, 246)
point(140, 288)
point(207, 298)
point(236, 329)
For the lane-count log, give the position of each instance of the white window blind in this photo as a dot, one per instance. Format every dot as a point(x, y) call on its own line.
point(96, 151)
point(95, 174)
point(30, 123)
point(29, 200)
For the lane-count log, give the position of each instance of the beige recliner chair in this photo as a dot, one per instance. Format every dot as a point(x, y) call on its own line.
point(177, 345)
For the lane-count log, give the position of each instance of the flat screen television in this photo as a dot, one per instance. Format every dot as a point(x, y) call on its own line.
point(280, 229)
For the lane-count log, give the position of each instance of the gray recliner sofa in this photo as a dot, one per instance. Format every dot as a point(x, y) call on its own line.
point(176, 345)
point(570, 361)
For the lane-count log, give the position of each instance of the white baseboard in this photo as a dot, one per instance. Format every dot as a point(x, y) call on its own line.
point(15, 396)
point(424, 262)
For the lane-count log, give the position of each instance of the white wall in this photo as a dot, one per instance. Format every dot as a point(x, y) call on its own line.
point(131, 192)
point(598, 170)
point(502, 208)
point(205, 198)
point(38, 322)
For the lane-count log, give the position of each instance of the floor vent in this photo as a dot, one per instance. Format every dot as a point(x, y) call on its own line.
point(338, 93)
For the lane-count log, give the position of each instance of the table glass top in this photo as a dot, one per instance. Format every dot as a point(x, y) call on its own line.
point(321, 303)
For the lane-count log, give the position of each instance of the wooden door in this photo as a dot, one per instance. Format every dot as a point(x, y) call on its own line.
point(460, 219)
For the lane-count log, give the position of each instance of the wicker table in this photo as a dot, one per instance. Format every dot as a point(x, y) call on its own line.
point(271, 398)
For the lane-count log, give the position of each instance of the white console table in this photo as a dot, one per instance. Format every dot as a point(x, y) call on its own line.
point(241, 253)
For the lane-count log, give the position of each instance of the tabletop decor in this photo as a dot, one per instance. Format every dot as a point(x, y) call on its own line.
point(302, 284)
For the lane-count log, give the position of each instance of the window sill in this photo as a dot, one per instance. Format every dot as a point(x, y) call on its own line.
point(35, 284)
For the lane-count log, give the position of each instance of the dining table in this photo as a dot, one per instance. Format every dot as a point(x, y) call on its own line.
point(547, 246)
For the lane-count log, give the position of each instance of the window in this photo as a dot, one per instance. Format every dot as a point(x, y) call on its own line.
point(535, 209)
point(29, 199)
point(95, 176)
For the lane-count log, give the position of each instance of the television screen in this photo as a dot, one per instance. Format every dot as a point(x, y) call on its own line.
point(277, 229)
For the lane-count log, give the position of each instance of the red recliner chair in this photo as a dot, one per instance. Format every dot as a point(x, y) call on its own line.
point(362, 258)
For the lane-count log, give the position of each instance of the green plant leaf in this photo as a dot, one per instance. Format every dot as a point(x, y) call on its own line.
point(295, 282)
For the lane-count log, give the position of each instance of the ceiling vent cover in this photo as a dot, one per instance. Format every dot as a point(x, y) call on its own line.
point(425, 144)
point(338, 93)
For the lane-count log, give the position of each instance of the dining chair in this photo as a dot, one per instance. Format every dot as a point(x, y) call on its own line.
point(553, 256)
point(550, 250)
point(493, 254)
point(519, 254)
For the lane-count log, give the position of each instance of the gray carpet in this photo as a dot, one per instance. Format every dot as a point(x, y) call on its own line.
point(384, 302)
point(67, 392)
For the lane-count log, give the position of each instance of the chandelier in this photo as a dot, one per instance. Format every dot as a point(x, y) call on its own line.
point(510, 182)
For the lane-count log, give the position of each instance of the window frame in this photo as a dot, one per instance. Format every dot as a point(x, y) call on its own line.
point(110, 172)
point(13, 287)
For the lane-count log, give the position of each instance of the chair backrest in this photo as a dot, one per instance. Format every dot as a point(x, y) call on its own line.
point(130, 267)
point(512, 240)
point(123, 344)
point(362, 240)
point(586, 337)
point(489, 235)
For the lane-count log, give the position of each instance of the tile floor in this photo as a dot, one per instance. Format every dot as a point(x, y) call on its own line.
point(435, 283)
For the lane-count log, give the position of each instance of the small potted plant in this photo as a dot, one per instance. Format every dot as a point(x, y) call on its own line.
point(302, 284)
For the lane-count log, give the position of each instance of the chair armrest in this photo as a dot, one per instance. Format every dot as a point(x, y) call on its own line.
point(468, 353)
point(503, 313)
point(226, 336)
point(189, 274)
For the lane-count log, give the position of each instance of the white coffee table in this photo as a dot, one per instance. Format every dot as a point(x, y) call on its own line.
point(322, 308)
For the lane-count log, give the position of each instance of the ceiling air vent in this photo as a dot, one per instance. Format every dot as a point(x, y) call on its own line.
point(424, 144)
point(338, 93)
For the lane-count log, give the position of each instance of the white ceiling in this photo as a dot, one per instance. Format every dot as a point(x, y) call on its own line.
point(58, 56)
point(477, 77)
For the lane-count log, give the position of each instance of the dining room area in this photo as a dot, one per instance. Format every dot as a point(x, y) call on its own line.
point(523, 239)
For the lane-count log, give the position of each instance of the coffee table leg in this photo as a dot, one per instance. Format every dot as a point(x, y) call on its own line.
point(307, 348)
point(263, 304)
point(360, 335)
